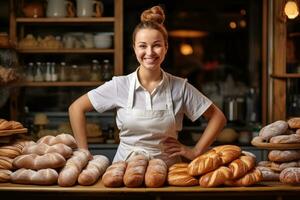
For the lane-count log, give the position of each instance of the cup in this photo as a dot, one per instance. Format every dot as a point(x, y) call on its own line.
point(89, 8)
point(57, 8)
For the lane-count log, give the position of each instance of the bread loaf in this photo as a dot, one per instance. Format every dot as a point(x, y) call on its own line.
point(252, 177)
point(241, 166)
point(228, 152)
point(66, 139)
point(178, 176)
point(6, 163)
point(69, 174)
point(10, 151)
point(42, 148)
point(279, 127)
point(278, 167)
point(135, 171)
point(286, 139)
point(94, 169)
point(265, 163)
point(40, 177)
point(5, 175)
point(268, 174)
point(5, 125)
point(284, 155)
point(156, 173)
point(216, 177)
point(298, 131)
point(290, 175)
point(113, 176)
point(294, 123)
point(204, 163)
point(34, 161)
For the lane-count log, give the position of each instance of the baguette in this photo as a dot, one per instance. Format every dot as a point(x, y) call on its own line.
point(42, 148)
point(113, 176)
point(156, 173)
point(94, 169)
point(135, 171)
point(40, 177)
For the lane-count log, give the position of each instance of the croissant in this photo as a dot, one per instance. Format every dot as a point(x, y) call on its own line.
point(34, 161)
point(113, 176)
point(178, 175)
point(4, 175)
point(252, 177)
point(94, 169)
point(204, 163)
point(66, 139)
point(40, 177)
point(69, 174)
point(216, 177)
point(43, 148)
point(241, 166)
point(156, 173)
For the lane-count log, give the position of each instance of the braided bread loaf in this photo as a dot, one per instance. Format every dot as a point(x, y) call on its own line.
point(6, 163)
point(66, 139)
point(216, 177)
point(242, 165)
point(135, 171)
point(178, 175)
point(10, 125)
point(4, 175)
point(228, 152)
point(69, 174)
point(94, 169)
point(252, 177)
point(42, 148)
point(34, 161)
point(10, 151)
point(156, 173)
point(40, 177)
point(113, 176)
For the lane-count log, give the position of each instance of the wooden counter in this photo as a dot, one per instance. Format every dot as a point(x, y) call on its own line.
point(262, 191)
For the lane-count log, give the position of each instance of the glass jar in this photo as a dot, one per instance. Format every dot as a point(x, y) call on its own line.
point(62, 72)
point(107, 70)
point(30, 72)
point(96, 74)
point(39, 72)
point(74, 73)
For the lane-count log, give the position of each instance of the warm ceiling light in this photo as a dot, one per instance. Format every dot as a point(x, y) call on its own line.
point(291, 9)
point(187, 33)
point(186, 49)
point(232, 25)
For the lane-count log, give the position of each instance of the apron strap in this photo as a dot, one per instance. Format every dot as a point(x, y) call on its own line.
point(131, 92)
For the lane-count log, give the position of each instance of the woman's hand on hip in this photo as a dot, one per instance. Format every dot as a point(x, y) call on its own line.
point(173, 147)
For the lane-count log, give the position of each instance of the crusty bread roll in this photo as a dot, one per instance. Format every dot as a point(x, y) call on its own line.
point(286, 139)
point(66, 139)
point(69, 174)
point(36, 162)
point(40, 177)
point(10, 151)
point(268, 174)
point(241, 166)
point(252, 177)
point(42, 148)
point(216, 177)
point(156, 173)
point(94, 169)
point(284, 155)
point(5, 175)
point(265, 163)
point(290, 175)
point(204, 163)
point(279, 127)
point(178, 176)
point(294, 123)
point(113, 176)
point(6, 163)
point(135, 171)
point(278, 167)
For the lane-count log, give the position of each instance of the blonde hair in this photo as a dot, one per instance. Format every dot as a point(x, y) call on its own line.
point(152, 18)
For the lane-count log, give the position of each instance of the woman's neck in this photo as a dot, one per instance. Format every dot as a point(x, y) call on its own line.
point(149, 79)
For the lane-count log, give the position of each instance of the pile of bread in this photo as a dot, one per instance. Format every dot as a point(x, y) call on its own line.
point(282, 165)
point(222, 165)
point(9, 125)
point(50, 160)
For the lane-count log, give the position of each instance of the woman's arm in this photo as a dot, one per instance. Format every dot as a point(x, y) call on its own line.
point(216, 122)
point(77, 117)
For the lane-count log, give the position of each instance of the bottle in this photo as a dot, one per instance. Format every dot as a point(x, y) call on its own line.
point(62, 72)
point(48, 72)
point(252, 109)
point(30, 72)
point(95, 71)
point(54, 75)
point(74, 73)
point(107, 70)
point(39, 72)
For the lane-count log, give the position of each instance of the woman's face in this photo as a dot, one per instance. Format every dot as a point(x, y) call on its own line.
point(150, 48)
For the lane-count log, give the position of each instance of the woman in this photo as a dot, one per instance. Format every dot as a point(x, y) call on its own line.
point(150, 103)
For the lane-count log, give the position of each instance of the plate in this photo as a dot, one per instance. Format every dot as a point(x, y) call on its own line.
point(13, 131)
point(267, 145)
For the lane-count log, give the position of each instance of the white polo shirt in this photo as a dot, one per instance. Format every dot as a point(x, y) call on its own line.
point(187, 100)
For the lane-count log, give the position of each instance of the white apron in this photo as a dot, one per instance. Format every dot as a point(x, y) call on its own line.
point(145, 129)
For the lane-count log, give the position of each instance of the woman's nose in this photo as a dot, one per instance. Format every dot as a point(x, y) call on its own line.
point(149, 51)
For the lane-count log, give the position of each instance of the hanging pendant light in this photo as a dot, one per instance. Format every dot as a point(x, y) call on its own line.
point(291, 9)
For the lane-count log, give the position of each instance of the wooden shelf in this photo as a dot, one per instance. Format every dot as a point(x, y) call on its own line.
point(63, 51)
point(59, 84)
point(286, 75)
point(71, 20)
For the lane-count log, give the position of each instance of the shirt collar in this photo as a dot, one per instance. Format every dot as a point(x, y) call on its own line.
point(138, 84)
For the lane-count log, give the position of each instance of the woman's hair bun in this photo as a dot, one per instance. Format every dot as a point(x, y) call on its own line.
point(154, 14)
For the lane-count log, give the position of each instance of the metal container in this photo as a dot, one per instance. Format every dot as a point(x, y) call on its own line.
point(234, 108)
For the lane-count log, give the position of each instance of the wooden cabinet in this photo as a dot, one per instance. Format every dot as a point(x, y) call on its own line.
point(20, 26)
